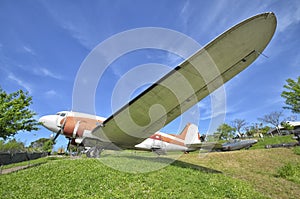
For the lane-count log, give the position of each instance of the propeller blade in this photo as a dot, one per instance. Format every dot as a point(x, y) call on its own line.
point(61, 128)
point(56, 136)
point(68, 147)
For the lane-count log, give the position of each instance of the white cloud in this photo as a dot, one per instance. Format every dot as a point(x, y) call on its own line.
point(50, 93)
point(184, 13)
point(214, 105)
point(46, 73)
point(78, 33)
point(20, 82)
point(289, 16)
point(172, 60)
point(78, 26)
point(29, 50)
point(184, 9)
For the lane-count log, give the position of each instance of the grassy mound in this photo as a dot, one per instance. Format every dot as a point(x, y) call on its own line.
point(267, 173)
point(90, 178)
point(262, 142)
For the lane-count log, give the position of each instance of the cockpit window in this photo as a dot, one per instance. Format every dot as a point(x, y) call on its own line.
point(61, 114)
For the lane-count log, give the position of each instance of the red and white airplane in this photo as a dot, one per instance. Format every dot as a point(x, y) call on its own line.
point(138, 121)
point(77, 127)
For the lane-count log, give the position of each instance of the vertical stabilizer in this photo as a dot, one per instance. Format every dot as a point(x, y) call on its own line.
point(190, 134)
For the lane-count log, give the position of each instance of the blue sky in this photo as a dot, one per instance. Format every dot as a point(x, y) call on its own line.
point(43, 44)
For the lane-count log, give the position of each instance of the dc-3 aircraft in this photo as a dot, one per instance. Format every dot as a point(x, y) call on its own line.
point(136, 124)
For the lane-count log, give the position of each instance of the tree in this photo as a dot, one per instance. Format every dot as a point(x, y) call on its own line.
point(272, 118)
point(11, 146)
point(251, 130)
point(287, 126)
point(238, 124)
point(47, 147)
point(42, 144)
point(15, 114)
point(225, 131)
point(264, 130)
point(292, 95)
point(256, 128)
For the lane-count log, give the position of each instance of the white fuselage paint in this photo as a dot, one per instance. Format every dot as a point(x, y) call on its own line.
point(156, 144)
point(158, 141)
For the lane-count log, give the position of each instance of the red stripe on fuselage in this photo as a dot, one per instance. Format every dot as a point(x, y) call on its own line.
point(166, 139)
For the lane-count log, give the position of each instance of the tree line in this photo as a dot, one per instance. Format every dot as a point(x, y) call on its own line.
point(239, 127)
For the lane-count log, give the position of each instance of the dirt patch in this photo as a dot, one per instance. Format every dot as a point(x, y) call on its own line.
point(18, 168)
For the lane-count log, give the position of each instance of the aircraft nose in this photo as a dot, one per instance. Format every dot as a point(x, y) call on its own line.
point(49, 122)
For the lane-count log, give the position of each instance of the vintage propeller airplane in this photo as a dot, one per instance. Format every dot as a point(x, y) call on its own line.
point(184, 86)
point(78, 127)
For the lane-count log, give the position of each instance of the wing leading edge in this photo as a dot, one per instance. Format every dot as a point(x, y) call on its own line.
point(195, 78)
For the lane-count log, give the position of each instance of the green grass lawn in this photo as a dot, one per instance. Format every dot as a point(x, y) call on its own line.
point(262, 173)
point(90, 178)
point(261, 168)
point(268, 140)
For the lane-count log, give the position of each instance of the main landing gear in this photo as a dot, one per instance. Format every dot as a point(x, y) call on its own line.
point(94, 152)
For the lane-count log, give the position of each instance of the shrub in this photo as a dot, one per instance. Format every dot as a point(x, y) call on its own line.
point(290, 172)
point(297, 150)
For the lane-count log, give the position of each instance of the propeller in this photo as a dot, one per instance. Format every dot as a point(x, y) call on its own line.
point(61, 128)
point(56, 136)
point(68, 146)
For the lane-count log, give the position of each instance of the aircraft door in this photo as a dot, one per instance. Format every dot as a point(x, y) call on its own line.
point(157, 142)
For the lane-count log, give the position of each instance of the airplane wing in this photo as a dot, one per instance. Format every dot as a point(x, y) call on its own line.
point(188, 83)
point(210, 146)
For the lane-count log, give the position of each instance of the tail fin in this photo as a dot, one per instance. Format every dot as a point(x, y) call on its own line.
point(190, 134)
